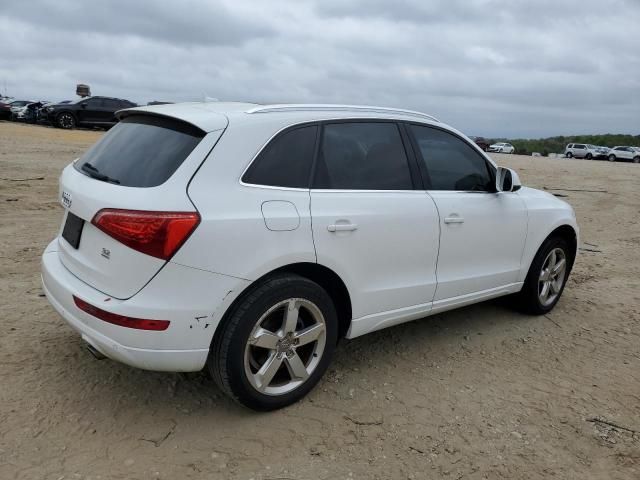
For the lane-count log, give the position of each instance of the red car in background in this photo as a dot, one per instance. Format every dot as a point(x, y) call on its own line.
point(5, 111)
point(482, 142)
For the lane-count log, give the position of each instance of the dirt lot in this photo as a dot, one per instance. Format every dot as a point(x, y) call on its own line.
point(481, 392)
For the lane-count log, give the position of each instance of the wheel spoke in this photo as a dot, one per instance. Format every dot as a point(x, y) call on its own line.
point(291, 316)
point(559, 267)
point(265, 339)
point(309, 334)
point(268, 371)
point(552, 260)
point(544, 294)
point(296, 368)
point(555, 286)
point(543, 275)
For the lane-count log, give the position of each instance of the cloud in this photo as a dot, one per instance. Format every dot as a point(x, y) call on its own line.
point(488, 67)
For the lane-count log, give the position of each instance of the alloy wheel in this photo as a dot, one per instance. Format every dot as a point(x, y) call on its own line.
point(551, 278)
point(66, 120)
point(285, 346)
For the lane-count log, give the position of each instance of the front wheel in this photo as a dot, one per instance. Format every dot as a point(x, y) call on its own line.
point(66, 121)
point(589, 156)
point(547, 277)
point(636, 159)
point(276, 343)
point(612, 158)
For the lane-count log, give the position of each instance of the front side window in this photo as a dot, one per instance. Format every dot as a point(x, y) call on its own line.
point(450, 162)
point(285, 161)
point(362, 156)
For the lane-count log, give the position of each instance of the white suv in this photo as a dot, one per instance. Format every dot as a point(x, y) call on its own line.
point(248, 239)
point(624, 153)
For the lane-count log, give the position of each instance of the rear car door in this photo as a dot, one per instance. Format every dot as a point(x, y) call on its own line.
point(370, 224)
point(482, 233)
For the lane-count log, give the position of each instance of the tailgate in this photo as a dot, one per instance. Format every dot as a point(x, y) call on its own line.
point(97, 258)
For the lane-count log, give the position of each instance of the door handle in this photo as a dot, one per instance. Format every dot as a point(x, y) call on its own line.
point(453, 219)
point(342, 227)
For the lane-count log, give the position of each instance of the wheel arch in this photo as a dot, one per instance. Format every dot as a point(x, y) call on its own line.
point(323, 276)
point(564, 231)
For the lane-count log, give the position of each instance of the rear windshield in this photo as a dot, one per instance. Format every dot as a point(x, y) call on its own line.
point(140, 151)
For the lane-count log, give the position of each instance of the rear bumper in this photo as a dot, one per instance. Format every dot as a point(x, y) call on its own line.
point(192, 300)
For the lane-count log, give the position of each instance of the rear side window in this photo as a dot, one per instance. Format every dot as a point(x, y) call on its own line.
point(451, 163)
point(362, 156)
point(140, 151)
point(285, 161)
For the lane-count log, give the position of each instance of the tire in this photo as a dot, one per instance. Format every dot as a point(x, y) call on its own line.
point(531, 298)
point(569, 155)
point(589, 156)
point(235, 362)
point(636, 159)
point(612, 158)
point(66, 120)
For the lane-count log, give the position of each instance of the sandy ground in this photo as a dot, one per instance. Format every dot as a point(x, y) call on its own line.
point(481, 392)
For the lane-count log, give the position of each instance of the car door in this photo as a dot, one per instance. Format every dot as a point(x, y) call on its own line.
point(370, 225)
point(88, 110)
point(482, 232)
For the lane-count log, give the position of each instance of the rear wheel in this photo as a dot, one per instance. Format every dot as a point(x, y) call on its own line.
point(636, 159)
point(569, 155)
point(547, 277)
point(66, 120)
point(276, 344)
point(612, 158)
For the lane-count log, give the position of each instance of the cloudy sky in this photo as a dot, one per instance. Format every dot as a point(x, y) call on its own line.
point(507, 68)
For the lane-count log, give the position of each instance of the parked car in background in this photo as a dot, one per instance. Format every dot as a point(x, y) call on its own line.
point(580, 150)
point(5, 111)
point(601, 152)
point(31, 112)
point(17, 106)
point(502, 148)
point(86, 112)
point(481, 142)
point(183, 249)
point(624, 153)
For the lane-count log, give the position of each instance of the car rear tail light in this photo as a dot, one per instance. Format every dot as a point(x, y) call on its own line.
point(121, 320)
point(159, 234)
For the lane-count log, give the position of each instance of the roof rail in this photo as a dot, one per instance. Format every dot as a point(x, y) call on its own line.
point(339, 108)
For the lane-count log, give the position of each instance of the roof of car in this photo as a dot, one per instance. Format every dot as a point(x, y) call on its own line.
point(210, 116)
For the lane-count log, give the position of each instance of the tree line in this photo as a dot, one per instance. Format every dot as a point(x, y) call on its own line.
point(545, 146)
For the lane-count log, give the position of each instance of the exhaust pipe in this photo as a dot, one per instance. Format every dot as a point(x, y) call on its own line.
point(93, 351)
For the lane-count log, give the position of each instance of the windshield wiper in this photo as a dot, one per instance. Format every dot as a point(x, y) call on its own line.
point(93, 172)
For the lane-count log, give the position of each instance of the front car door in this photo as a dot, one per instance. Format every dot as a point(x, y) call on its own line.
point(90, 110)
point(372, 225)
point(482, 232)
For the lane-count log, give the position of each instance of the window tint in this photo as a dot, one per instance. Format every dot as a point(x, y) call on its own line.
point(95, 103)
point(362, 156)
point(286, 161)
point(451, 163)
point(112, 104)
point(140, 151)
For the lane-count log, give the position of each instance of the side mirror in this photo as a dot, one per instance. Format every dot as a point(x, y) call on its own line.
point(507, 180)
